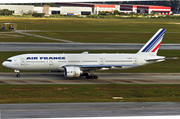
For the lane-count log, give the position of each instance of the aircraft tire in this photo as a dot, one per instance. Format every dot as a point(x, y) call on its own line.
point(87, 77)
point(95, 77)
point(18, 75)
point(92, 77)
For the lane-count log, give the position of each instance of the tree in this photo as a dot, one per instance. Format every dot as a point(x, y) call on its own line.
point(5, 12)
point(152, 13)
point(116, 12)
point(51, 4)
point(37, 14)
point(30, 12)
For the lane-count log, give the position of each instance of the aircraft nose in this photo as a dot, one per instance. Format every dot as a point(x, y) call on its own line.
point(4, 63)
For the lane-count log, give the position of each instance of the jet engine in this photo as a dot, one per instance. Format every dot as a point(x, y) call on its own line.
point(71, 72)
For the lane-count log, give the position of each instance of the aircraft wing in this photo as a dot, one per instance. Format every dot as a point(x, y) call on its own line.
point(104, 66)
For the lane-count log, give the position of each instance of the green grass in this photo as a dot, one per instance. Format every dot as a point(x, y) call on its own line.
point(88, 93)
point(16, 37)
point(74, 24)
point(110, 37)
point(3, 30)
point(168, 66)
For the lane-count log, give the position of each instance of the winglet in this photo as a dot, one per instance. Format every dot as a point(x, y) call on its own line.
point(152, 46)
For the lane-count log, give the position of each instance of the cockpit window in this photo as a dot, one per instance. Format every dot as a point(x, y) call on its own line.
point(9, 60)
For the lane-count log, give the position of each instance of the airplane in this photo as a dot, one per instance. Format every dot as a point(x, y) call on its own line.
point(84, 64)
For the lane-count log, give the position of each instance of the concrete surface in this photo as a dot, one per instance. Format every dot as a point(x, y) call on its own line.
point(104, 78)
point(110, 109)
point(78, 46)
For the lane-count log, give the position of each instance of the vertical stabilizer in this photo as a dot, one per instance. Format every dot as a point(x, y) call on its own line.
point(152, 46)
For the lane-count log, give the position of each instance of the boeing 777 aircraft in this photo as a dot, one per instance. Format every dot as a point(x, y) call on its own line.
point(76, 65)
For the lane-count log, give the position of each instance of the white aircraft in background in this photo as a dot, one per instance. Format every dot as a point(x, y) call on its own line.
point(76, 65)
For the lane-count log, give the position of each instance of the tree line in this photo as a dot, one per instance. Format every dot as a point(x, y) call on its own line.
point(6, 12)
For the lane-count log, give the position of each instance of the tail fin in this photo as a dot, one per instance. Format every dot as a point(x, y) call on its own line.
point(152, 46)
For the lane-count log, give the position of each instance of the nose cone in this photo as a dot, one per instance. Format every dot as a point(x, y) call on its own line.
point(4, 64)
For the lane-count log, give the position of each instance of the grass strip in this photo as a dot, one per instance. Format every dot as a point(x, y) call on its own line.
point(17, 37)
point(109, 37)
point(103, 25)
point(75, 24)
point(89, 93)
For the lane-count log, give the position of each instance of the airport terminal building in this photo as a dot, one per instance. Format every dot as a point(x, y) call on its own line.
point(86, 9)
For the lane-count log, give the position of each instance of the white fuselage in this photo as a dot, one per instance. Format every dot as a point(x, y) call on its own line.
point(55, 62)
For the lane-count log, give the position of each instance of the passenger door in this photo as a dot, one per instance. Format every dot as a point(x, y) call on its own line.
point(101, 61)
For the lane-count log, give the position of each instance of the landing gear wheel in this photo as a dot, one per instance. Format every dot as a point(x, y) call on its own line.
point(86, 74)
point(92, 77)
point(18, 75)
point(87, 77)
point(95, 77)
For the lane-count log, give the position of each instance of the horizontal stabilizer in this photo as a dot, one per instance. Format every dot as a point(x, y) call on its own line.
point(161, 59)
point(172, 58)
point(155, 59)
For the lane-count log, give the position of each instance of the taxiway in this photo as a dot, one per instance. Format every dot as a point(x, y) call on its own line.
point(104, 78)
point(111, 109)
point(77, 46)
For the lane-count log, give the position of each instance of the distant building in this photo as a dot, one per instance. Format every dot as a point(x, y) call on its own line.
point(145, 9)
point(18, 9)
point(86, 9)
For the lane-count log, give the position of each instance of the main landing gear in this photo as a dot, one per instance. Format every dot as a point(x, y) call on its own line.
point(17, 73)
point(91, 75)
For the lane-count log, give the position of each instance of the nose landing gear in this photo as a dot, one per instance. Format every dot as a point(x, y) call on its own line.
point(18, 74)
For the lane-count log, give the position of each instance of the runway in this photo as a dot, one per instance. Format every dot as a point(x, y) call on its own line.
point(111, 109)
point(104, 78)
point(77, 46)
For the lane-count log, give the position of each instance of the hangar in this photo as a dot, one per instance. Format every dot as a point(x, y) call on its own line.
point(87, 8)
point(145, 9)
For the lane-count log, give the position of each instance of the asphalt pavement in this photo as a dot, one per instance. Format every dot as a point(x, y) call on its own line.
point(4, 46)
point(103, 109)
point(104, 78)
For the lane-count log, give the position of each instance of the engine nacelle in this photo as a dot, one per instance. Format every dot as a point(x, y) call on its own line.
point(71, 72)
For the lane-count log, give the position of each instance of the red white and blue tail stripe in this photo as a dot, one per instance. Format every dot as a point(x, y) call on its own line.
point(152, 46)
